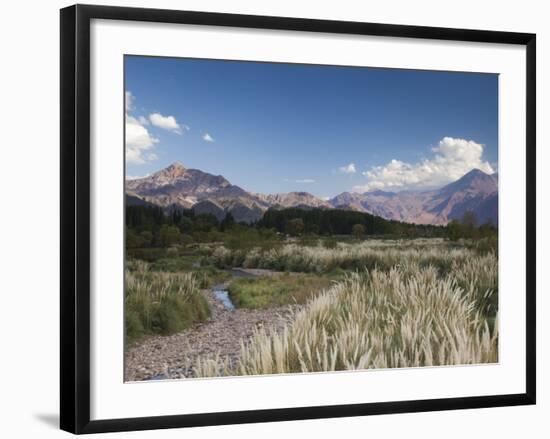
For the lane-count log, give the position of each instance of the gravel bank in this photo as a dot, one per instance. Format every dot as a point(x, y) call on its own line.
point(173, 356)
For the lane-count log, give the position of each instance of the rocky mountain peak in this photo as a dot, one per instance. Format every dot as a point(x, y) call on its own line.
point(178, 186)
point(475, 172)
point(175, 170)
point(380, 192)
point(475, 191)
point(475, 180)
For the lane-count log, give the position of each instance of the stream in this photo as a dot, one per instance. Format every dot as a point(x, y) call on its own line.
point(224, 327)
point(222, 294)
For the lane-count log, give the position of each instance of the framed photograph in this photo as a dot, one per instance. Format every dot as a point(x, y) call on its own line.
point(268, 218)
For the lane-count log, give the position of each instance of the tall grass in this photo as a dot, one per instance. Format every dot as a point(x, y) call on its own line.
point(161, 302)
point(269, 291)
point(382, 255)
point(478, 277)
point(407, 316)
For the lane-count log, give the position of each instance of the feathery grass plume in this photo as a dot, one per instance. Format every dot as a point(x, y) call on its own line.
point(405, 316)
point(368, 254)
point(159, 302)
point(375, 320)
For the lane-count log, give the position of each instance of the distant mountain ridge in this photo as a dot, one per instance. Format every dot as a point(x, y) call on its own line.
point(293, 199)
point(476, 192)
point(178, 186)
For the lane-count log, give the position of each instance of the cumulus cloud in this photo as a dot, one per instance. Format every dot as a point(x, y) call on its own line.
point(136, 177)
point(452, 158)
point(129, 101)
point(348, 169)
point(167, 123)
point(207, 138)
point(139, 141)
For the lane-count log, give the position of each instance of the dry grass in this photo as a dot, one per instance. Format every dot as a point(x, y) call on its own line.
point(160, 302)
point(413, 314)
point(369, 254)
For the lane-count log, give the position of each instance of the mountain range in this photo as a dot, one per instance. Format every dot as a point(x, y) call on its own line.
point(180, 187)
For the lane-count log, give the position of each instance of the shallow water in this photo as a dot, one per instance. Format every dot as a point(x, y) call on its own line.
point(221, 293)
point(236, 272)
point(223, 296)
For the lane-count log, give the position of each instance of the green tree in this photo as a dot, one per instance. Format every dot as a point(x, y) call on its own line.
point(146, 238)
point(205, 222)
point(469, 222)
point(228, 222)
point(295, 226)
point(487, 230)
point(358, 230)
point(168, 235)
point(454, 230)
point(185, 224)
point(132, 239)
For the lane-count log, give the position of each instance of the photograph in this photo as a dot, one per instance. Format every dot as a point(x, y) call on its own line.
point(275, 219)
point(295, 218)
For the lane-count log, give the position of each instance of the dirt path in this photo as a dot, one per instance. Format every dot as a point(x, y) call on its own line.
point(162, 357)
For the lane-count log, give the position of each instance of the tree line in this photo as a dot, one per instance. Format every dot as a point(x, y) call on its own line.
point(295, 221)
point(151, 226)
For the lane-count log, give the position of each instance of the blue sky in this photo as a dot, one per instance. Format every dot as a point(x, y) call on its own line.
point(271, 127)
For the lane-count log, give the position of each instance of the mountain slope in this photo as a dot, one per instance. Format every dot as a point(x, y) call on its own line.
point(177, 186)
point(207, 193)
point(293, 199)
point(476, 191)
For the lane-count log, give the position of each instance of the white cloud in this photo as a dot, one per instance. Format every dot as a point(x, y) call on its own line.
point(166, 123)
point(348, 169)
point(451, 160)
point(136, 177)
point(143, 120)
point(139, 141)
point(305, 180)
point(129, 101)
point(207, 138)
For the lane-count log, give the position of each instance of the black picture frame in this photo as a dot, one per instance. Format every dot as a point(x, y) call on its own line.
point(75, 217)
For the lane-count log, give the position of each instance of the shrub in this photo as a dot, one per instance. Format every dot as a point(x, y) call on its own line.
point(358, 231)
point(168, 235)
point(161, 302)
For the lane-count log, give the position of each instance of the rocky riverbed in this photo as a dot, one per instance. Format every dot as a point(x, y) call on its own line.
point(173, 356)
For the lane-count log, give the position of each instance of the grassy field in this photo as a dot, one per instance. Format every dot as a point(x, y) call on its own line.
point(283, 289)
point(402, 304)
point(380, 254)
point(473, 269)
point(364, 303)
point(158, 302)
point(377, 320)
